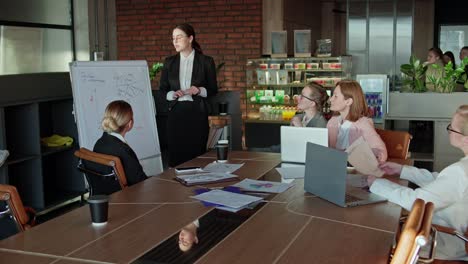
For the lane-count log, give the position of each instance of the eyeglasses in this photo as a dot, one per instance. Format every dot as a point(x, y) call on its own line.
point(450, 129)
point(308, 98)
point(178, 37)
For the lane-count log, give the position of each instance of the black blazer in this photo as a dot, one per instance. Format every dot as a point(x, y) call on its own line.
point(111, 145)
point(203, 74)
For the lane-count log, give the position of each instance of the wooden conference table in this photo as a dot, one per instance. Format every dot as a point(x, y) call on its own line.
point(293, 227)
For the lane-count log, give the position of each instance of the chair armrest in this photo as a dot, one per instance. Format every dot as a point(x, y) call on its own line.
point(32, 216)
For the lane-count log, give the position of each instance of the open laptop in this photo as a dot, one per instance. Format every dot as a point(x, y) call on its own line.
point(294, 140)
point(325, 176)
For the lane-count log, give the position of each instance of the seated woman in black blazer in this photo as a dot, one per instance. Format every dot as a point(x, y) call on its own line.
point(117, 121)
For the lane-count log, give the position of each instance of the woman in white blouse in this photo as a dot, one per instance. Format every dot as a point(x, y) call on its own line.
point(448, 190)
point(188, 78)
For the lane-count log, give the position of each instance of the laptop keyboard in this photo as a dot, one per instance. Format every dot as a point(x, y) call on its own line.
point(350, 199)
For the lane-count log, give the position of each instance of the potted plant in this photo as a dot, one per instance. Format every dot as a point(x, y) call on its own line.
point(447, 82)
point(155, 69)
point(413, 75)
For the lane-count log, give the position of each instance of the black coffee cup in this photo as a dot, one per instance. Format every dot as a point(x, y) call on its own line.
point(222, 107)
point(98, 204)
point(222, 150)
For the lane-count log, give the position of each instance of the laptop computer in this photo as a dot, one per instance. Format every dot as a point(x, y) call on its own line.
point(325, 176)
point(294, 140)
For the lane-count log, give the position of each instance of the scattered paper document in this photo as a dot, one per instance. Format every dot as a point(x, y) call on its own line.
point(228, 199)
point(222, 167)
point(263, 186)
point(362, 158)
point(204, 178)
point(292, 172)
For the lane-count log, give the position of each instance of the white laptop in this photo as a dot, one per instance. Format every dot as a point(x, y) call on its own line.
point(294, 141)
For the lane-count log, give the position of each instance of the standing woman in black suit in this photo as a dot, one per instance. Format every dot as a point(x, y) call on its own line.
point(188, 78)
point(118, 121)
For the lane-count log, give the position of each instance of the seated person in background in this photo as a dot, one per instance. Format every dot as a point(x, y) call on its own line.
point(350, 120)
point(118, 121)
point(463, 83)
point(448, 190)
point(434, 56)
point(311, 102)
point(449, 57)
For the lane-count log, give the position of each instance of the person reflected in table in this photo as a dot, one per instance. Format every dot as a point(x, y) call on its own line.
point(116, 123)
point(187, 78)
point(188, 236)
point(351, 121)
point(448, 190)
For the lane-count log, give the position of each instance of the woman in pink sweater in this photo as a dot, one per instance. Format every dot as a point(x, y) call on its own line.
point(350, 120)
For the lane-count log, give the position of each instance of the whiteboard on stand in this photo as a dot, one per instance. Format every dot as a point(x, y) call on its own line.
point(97, 83)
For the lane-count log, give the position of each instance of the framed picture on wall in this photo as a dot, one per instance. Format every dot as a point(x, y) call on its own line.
point(302, 43)
point(279, 44)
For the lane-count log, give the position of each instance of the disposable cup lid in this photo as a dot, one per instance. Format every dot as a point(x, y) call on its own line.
point(223, 142)
point(98, 199)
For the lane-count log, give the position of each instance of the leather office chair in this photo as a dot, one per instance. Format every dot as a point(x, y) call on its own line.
point(417, 232)
point(104, 173)
point(452, 231)
point(12, 208)
point(396, 142)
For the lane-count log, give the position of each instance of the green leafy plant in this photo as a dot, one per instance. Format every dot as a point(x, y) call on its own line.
point(155, 69)
point(448, 81)
point(413, 78)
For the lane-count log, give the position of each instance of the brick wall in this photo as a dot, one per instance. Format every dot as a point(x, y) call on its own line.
point(229, 31)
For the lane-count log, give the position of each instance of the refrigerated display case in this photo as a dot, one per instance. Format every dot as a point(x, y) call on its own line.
point(375, 88)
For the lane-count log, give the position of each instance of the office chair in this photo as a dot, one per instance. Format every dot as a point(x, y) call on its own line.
point(396, 142)
point(454, 232)
point(104, 173)
point(417, 232)
point(14, 217)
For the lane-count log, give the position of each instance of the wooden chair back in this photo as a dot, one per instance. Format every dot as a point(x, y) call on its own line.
point(417, 232)
point(9, 194)
point(103, 159)
point(396, 142)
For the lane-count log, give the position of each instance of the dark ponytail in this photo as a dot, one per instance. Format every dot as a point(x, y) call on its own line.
point(188, 29)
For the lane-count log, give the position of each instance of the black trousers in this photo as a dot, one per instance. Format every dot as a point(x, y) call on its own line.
point(187, 132)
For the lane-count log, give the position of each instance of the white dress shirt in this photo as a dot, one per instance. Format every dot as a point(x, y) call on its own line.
point(448, 190)
point(117, 135)
point(342, 141)
point(185, 78)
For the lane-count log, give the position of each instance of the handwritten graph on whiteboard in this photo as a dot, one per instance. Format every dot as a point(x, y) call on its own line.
point(96, 84)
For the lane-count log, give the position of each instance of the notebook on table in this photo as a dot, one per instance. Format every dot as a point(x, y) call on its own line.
point(205, 178)
point(294, 140)
point(325, 176)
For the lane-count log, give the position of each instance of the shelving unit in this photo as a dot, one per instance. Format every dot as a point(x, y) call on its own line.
point(273, 85)
point(36, 106)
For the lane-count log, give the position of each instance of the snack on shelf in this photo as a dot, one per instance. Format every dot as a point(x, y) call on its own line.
point(326, 65)
point(282, 77)
point(275, 66)
point(335, 65)
point(312, 66)
point(287, 99)
point(263, 66)
point(300, 66)
point(288, 66)
point(279, 96)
